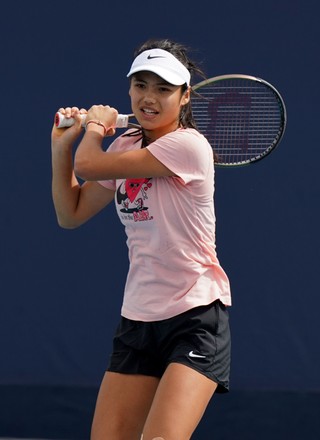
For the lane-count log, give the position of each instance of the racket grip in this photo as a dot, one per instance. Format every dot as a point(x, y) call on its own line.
point(61, 121)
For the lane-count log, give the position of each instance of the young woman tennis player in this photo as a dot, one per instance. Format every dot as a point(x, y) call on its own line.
point(171, 350)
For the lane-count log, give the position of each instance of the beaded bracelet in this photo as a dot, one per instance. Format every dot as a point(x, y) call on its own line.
point(93, 121)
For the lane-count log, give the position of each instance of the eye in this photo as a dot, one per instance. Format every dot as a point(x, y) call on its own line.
point(139, 85)
point(164, 89)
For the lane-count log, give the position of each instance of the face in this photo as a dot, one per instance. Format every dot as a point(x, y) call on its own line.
point(156, 104)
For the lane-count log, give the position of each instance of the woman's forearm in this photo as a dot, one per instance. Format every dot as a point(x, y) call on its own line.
point(65, 187)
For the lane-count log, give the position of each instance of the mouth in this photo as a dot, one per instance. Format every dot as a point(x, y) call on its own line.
point(148, 112)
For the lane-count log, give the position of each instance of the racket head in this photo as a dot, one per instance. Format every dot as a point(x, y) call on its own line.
point(243, 117)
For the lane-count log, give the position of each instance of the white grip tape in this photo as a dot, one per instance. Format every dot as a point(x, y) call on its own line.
point(61, 121)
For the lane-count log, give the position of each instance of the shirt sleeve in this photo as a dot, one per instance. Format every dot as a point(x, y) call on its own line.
point(185, 152)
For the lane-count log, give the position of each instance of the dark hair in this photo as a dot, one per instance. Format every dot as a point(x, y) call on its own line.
point(180, 52)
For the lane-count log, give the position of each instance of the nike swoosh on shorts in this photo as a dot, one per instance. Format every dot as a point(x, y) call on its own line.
point(194, 355)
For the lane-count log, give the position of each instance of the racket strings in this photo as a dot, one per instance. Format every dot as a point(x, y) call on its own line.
point(241, 119)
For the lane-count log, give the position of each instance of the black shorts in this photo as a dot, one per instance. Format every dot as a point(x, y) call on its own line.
point(198, 338)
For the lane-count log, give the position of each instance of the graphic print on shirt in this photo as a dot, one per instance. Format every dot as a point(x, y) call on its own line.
point(132, 196)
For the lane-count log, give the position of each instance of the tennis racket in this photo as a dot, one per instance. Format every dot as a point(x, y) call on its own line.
point(61, 121)
point(243, 117)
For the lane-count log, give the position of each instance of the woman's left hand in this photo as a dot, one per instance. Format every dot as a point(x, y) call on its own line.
point(106, 115)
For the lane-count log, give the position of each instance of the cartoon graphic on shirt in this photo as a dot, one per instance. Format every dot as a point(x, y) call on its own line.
point(131, 195)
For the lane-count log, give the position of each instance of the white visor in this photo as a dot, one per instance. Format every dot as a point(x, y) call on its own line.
point(163, 64)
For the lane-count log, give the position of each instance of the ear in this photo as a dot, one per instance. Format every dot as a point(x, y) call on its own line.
point(186, 96)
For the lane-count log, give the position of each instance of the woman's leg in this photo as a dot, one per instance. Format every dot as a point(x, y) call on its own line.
point(122, 407)
point(179, 403)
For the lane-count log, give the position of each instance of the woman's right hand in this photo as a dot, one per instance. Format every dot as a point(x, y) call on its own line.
point(68, 135)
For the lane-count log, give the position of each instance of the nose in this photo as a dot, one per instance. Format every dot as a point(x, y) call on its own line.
point(149, 97)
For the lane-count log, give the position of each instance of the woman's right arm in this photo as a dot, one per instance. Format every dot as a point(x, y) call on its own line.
point(74, 203)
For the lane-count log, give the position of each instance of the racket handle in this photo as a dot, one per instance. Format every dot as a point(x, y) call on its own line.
point(61, 121)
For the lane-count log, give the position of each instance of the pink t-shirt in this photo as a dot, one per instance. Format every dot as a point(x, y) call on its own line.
point(170, 227)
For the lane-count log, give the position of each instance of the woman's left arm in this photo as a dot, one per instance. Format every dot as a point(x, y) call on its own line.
point(92, 163)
